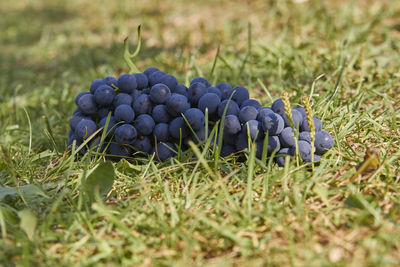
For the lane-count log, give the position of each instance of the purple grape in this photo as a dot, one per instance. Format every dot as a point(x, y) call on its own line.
point(251, 102)
point(232, 125)
point(87, 105)
point(144, 124)
point(209, 101)
point(160, 114)
point(161, 132)
point(226, 90)
point(177, 104)
point(125, 134)
point(170, 81)
point(195, 118)
point(272, 123)
point(96, 84)
point(323, 142)
point(110, 81)
point(159, 93)
point(142, 82)
point(287, 137)
point(178, 128)
point(150, 71)
point(248, 113)
point(85, 128)
point(201, 80)
point(124, 113)
point(127, 83)
point(104, 95)
point(233, 108)
point(142, 104)
point(240, 94)
point(195, 92)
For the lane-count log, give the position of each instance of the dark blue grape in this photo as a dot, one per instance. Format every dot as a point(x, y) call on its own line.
point(125, 134)
point(119, 151)
point(195, 92)
point(178, 127)
point(305, 136)
point(79, 96)
point(76, 118)
point(155, 77)
point(229, 138)
point(195, 118)
point(278, 106)
point(305, 151)
point(226, 90)
point(281, 155)
point(160, 114)
point(76, 138)
point(177, 104)
point(199, 135)
point(202, 80)
point(232, 125)
point(262, 112)
point(104, 95)
point(159, 93)
point(146, 91)
point(209, 101)
point(170, 81)
point(142, 82)
point(161, 132)
point(110, 81)
point(124, 113)
point(143, 144)
point(127, 83)
point(87, 105)
point(287, 137)
point(240, 94)
point(242, 142)
point(214, 90)
point(142, 104)
point(251, 102)
point(272, 123)
point(252, 129)
point(150, 71)
point(164, 151)
point(85, 128)
point(323, 142)
point(227, 150)
point(302, 112)
point(273, 144)
point(122, 99)
point(103, 112)
point(297, 119)
point(248, 113)
point(135, 94)
point(180, 89)
point(111, 125)
point(96, 84)
point(317, 125)
point(233, 108)
point(144, 124)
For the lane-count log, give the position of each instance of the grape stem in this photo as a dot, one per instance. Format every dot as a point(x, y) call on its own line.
point(127, 54)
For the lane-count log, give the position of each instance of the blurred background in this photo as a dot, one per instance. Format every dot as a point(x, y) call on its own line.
point(58, 47)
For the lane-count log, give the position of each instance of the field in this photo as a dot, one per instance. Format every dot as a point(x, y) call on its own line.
point(190, 210)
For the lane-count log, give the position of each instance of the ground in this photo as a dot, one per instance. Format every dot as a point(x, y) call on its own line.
point(343, 54)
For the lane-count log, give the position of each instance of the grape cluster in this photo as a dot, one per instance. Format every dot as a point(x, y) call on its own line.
point(151, 112)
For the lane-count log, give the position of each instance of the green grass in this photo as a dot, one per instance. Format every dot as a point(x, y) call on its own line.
point(344, 55)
